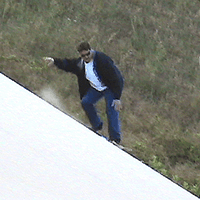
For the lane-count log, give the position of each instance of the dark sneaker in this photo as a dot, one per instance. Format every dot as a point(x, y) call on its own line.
point(99, 127)
point(117, 141)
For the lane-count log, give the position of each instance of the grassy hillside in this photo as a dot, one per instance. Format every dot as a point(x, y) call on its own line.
point(154, 43)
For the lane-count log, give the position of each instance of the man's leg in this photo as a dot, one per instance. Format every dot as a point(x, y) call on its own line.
point(113, 118)
point(88, 103)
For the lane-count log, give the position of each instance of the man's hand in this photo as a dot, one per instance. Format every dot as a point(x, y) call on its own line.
point(117, 105)
point(49, 61)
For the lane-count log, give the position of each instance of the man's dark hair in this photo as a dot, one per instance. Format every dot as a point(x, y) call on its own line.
point(83, 46)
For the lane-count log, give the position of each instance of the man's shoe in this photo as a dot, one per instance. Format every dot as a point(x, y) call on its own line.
point(99, 127)
point(117, 141)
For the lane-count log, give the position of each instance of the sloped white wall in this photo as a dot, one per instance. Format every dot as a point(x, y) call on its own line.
point(45, 154)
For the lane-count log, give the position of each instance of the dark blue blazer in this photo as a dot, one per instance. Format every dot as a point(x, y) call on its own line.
point(107, 71)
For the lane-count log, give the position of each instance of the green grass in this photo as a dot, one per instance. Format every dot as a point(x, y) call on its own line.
point(156, 46)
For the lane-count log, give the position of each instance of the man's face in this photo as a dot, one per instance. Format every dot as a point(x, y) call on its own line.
point(86, 55)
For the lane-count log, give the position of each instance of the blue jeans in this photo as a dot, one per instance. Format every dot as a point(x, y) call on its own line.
point(88, 104)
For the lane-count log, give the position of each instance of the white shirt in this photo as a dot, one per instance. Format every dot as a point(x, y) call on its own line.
point(93, 78)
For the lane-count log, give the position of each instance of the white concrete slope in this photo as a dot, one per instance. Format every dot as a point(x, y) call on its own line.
point(45, 154)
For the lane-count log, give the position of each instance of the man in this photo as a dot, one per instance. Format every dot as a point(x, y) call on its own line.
point(97, 77)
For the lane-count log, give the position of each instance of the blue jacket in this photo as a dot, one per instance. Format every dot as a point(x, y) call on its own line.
point(108, 73)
